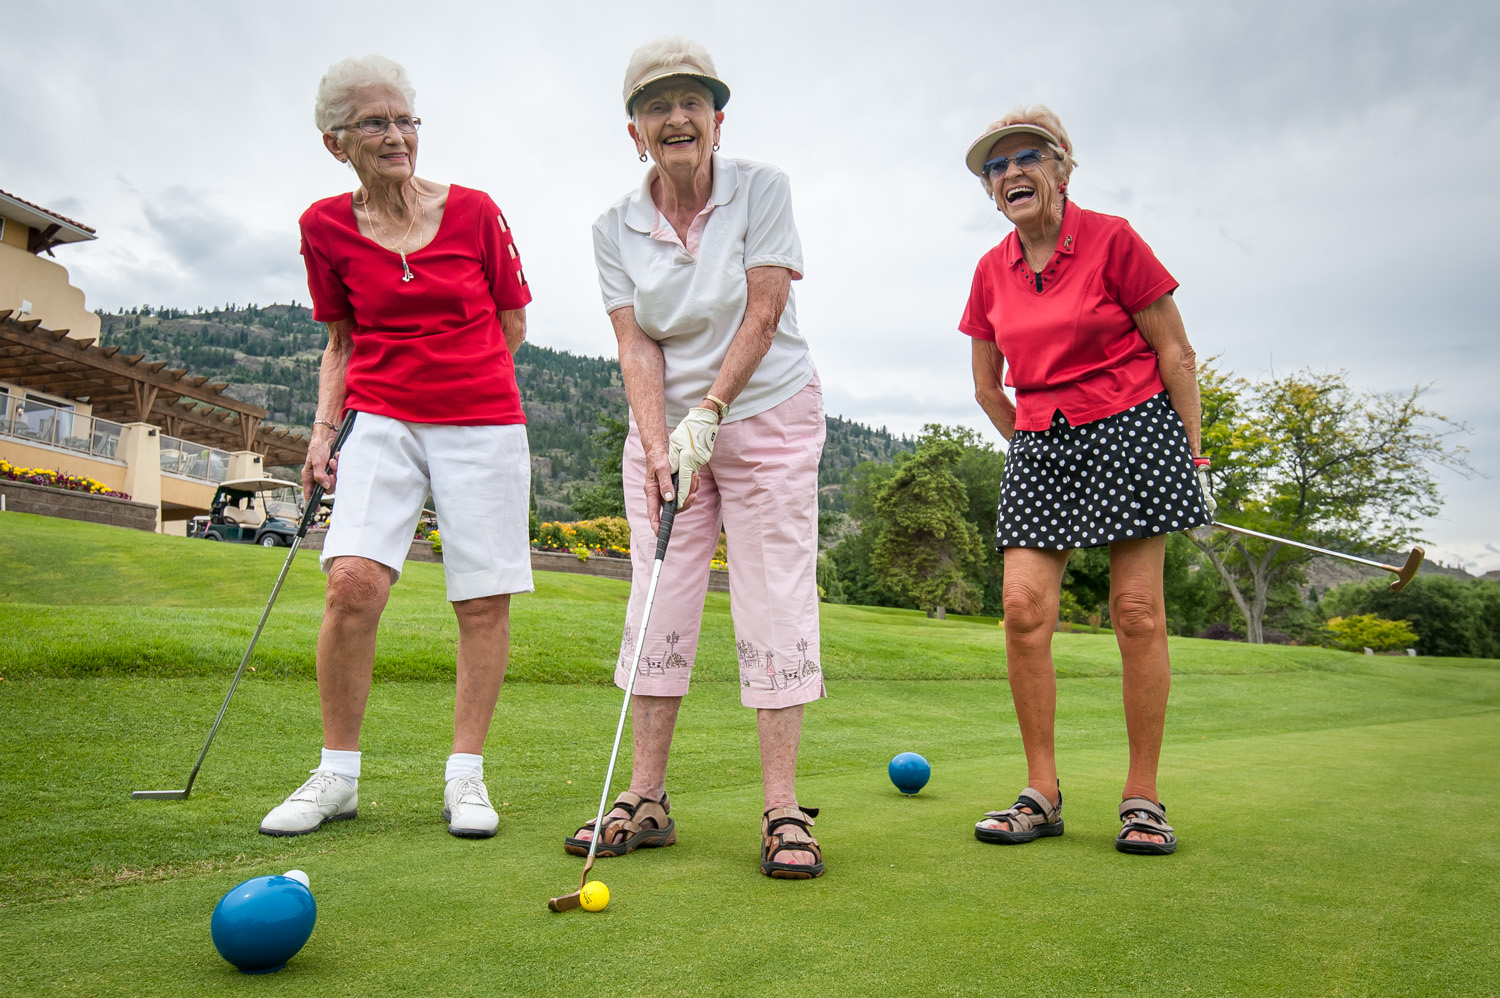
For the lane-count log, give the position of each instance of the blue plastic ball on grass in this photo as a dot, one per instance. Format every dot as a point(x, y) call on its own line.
point(261, 924)
point(910, 772)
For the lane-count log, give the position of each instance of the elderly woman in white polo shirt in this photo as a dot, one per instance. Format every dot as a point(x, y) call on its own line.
point(696, 269)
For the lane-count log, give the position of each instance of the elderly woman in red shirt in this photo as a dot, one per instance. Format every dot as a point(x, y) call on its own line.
point(423, 293)
point(1075, 313)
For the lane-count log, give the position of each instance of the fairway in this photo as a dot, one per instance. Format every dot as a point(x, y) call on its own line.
point(1337, 812)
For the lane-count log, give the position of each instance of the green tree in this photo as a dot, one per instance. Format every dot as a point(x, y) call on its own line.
point(1307, 457)
point(926, 545)
point(1452, 617)
point(607, 496)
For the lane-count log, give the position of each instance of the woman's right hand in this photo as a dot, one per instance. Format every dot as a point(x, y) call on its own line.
point(320, 467)
point(659, 486)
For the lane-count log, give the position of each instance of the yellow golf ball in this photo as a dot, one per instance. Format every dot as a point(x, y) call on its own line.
point(594, 896)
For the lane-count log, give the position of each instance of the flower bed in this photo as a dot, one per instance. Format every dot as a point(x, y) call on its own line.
point(606, 537)
point(57, 480)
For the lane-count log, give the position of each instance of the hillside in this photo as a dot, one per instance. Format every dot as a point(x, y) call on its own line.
point(269, 356)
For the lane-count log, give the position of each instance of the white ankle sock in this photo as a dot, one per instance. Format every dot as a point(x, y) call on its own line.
point(464, 764)
point(341, 763)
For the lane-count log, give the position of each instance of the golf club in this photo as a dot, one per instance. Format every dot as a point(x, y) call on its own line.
point(313, 497)
point(1404, 574)
point(664, 533)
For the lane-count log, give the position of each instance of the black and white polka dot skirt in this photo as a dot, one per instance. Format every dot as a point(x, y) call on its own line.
point(1126, 476)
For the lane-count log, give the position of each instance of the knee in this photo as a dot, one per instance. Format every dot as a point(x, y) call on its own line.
point(1136, 615)
point(357, 589)
point(484, 611)
point(1029, 609)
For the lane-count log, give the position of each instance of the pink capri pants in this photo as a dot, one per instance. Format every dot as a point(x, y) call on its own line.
point(761, 489)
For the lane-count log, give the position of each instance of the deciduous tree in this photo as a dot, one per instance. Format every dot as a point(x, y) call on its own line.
point(1307, 457)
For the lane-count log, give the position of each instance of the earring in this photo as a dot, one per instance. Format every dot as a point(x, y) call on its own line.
point(643, 157)
point(716, 147)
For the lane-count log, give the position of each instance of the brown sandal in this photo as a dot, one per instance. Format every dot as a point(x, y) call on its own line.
point(787, 829)
point(645, 826)
point(1137, 814)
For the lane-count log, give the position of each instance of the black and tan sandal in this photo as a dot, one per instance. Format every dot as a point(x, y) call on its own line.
point(1148, 817)
point(1031, 817)
point(788, 829)
point(646, 825)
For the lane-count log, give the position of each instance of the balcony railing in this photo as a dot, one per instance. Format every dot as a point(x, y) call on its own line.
point(38, 422)
point(184, 457)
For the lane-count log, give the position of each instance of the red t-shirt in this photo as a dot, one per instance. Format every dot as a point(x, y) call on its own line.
point(1067, 334)
point(428, 350)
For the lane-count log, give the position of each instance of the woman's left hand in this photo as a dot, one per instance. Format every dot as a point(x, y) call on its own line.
point(1208, 495)
point(690, 447)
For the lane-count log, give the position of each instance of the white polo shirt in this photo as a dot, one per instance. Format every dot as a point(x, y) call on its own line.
point(693, 304)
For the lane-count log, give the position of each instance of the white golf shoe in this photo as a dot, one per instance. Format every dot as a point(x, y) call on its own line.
point(466, 808)
point(324, 797)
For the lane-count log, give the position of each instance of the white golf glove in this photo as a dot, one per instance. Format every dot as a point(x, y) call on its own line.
point(1208, 495)
point(690, 447)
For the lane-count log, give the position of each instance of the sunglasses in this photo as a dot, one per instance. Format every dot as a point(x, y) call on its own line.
point(1026, 157)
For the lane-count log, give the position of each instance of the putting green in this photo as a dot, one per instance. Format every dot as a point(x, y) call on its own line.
point(1337, 812)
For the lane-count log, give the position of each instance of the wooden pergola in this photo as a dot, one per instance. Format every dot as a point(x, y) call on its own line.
point(130, 389)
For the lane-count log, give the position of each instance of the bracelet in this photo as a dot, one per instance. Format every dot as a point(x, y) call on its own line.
point(326, 423)
point(723, 406)
point(1201, 462)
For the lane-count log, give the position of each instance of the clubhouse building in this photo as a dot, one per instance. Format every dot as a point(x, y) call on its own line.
point(71, 404)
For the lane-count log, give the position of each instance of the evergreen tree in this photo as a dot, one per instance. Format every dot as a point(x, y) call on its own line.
point(926, 544)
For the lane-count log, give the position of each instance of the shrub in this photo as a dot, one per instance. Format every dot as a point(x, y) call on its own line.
point(1366, 630)
point(607, 535)
point(1220, 632)
point(437, 542)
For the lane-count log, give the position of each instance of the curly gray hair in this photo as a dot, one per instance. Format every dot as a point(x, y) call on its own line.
point(346, 78)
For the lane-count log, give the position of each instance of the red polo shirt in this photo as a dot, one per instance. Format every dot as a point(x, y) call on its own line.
point(428, 350)
point(1067, 334)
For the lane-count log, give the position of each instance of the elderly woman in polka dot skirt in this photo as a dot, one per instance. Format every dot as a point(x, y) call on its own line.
point(1075, 313)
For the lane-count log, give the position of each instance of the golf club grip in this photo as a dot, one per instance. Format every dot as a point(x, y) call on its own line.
point(315, 494)
point(668, 514)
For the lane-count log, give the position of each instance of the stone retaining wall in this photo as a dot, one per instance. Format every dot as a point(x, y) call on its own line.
point(23, 497)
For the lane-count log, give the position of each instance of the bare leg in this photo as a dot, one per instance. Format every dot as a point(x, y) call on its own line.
point(652, 721)
point(483, 651)
point(357, 592)
point(1033, 584)
point(1137, 609)
point(780, 735)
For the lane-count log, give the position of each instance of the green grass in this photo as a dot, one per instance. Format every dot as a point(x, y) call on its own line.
point(1337, 812)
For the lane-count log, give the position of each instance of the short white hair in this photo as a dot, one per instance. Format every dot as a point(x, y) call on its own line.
point(345, 79)
point(1043, 117)
point(670, 50)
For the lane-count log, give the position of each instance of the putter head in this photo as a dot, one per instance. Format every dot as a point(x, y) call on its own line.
point(565, 903)
point(1409, 570)
point(159, 794)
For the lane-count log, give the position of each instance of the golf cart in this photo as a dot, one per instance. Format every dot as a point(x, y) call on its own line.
point(236, 517)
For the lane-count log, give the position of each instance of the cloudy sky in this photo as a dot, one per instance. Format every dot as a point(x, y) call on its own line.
point(1313, 173)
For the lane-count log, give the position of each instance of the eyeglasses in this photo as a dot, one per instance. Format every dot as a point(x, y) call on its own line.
point(406, 124)
point(1026, 157)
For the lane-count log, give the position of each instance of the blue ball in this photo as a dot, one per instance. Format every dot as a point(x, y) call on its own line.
point(262, 923)
point(910, 772)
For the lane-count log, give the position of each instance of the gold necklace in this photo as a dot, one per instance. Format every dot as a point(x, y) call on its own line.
point(379, 231)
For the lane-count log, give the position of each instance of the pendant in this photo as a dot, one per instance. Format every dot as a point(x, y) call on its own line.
point(407, 275)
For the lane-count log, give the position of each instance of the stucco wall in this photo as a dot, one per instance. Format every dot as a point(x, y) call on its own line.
point(44, 283)
point(110, 474)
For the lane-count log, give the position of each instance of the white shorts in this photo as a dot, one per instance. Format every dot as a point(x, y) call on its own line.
point(480, 477)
